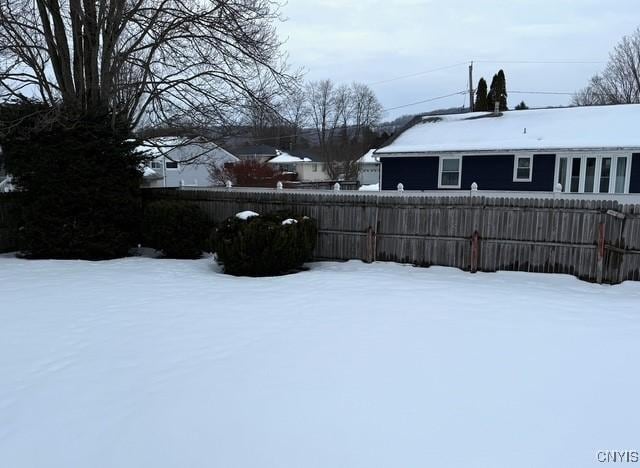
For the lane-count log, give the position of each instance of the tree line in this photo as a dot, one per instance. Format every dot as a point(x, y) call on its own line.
point(331, 122)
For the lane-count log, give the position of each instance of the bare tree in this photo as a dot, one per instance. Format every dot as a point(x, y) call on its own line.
point(295, 112)
point(619, 83)
point(145, 62)
point(367, 110)
point(342, 118)
point(342, 108)
point(320, 102)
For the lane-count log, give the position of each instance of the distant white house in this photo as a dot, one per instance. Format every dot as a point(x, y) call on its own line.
point(286, 162)
point(312, 171)
point(182, 163)
point(368, 169)
point(306, 169)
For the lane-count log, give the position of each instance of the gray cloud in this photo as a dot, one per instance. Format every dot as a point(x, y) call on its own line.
point(372, 40)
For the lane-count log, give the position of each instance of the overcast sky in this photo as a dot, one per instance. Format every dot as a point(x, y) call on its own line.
point(372, 41)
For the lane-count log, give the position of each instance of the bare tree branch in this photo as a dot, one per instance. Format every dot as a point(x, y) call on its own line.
point(147, 62)
point(619, 83)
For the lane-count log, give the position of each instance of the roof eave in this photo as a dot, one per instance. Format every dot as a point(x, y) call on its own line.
point(506, 150)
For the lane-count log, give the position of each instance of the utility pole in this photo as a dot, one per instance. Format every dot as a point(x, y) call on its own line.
point(471, 87)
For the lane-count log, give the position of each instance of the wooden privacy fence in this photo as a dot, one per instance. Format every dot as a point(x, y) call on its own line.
point(594, 240)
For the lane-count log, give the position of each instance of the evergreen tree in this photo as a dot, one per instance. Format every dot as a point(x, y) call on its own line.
point(522, 106)
point(481, 104)
point(502, 91)
point(493, 93)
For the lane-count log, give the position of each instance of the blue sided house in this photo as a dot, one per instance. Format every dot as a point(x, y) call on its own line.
point(576, 149)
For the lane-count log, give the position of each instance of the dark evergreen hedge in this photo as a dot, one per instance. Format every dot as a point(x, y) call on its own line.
point(177, 229)
point(263, 245)
point(79, 179)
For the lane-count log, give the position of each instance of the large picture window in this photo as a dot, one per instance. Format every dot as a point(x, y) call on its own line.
point(449, 176)
point(593, 174)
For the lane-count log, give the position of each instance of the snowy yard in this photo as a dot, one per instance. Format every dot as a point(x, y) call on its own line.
point(160, 363)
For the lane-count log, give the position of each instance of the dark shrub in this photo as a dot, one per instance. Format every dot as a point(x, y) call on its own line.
point(79, 180)
point(9, 221)
point(263, 245)
point(177, 229)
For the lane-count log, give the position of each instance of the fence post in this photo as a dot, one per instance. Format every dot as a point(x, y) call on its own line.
point(601, 252)
point(371, 245)
point(475, 251)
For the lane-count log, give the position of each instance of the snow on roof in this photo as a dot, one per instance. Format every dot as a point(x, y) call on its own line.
point(537, 129)
point(187, 149)
point(368, 158)
point(284, 158)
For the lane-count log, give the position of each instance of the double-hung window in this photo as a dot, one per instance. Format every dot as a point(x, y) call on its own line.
point(522, 168)
point(449, 174)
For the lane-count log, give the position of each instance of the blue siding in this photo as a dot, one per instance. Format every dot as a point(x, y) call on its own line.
point(634, 186)
point(413, 173)
point(489, 172)
point(496, 173)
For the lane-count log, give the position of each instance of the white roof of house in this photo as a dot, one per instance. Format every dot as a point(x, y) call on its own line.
point(187, 149)
point(368, 158)
point(538, 129)
point(284, 158)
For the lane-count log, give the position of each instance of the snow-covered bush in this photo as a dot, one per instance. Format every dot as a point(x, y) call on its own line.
point(274, 244)
point(177, 229)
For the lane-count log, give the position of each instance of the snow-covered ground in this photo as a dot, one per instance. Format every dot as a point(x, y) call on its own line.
point(145, 362)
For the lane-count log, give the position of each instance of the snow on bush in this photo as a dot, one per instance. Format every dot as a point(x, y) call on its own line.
point(244, 215)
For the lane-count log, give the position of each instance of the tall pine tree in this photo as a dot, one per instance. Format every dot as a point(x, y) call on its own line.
point(481, 104)
point(502, 91)
point(493, 94)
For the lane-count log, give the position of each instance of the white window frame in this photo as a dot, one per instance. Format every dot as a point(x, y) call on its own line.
point(566, 186)
point(517, 158)
point(155, 164)
point(441, 159)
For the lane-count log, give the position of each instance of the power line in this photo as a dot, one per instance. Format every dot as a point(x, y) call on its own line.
point(525, 62)
point(426, 100)
point(558, 93)
point(455, 65)
point(545, 62)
